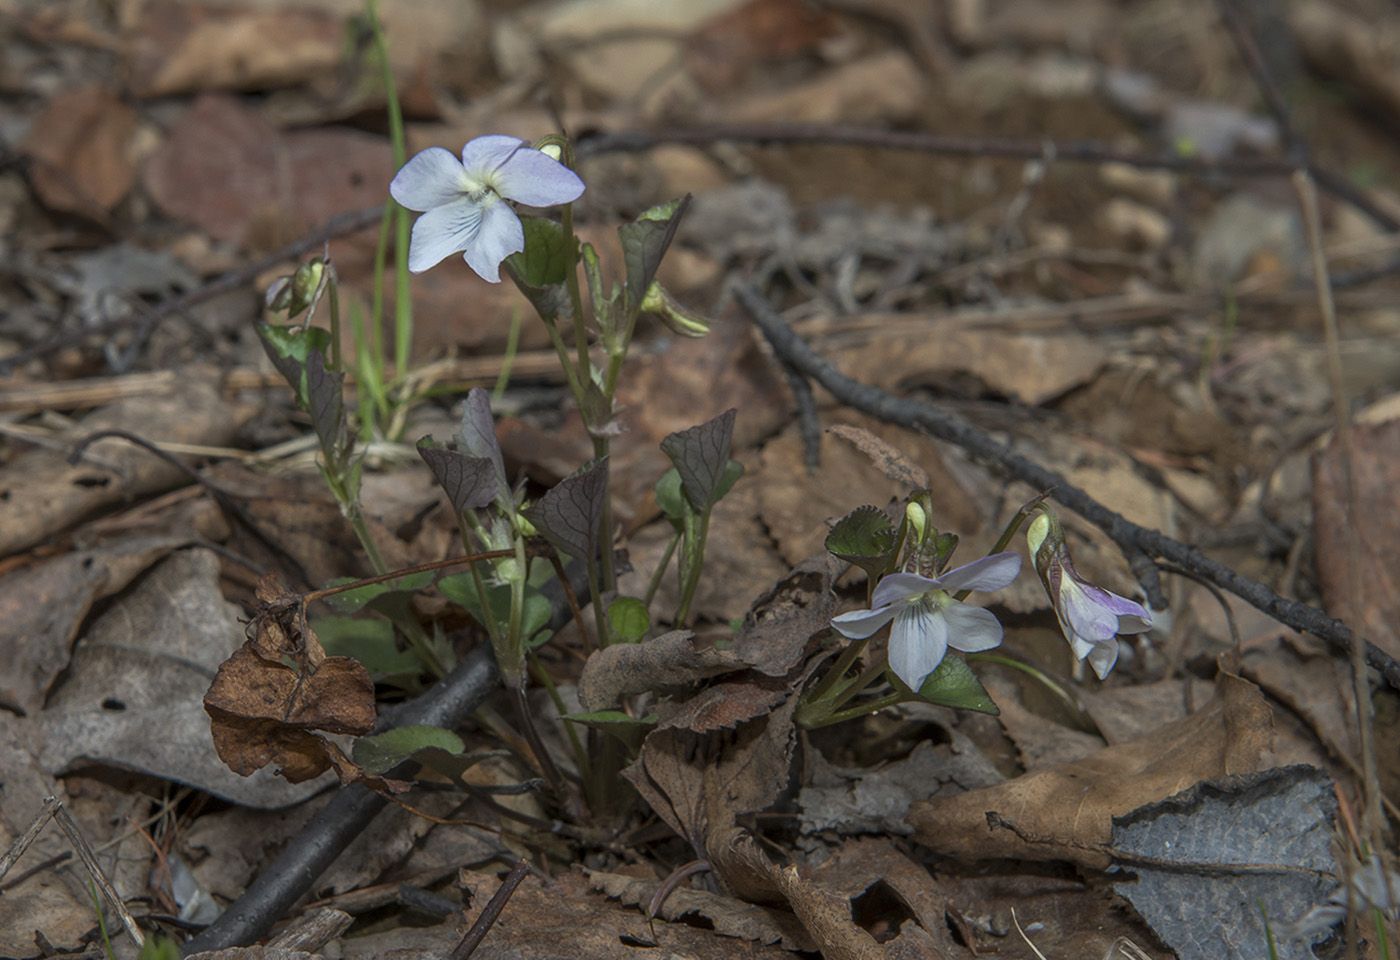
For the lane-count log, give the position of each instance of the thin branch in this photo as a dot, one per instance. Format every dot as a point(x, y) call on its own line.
point(1075, 151)
point(336, 227)
point(490, 912)
point(1138, 544)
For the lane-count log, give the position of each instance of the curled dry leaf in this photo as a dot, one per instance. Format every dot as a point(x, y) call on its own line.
point(268, 698)
point(1065, 812)
point(668, 661)
point(886, 457)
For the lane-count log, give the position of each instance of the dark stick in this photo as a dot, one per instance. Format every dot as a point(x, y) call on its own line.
point(292, 874)
point(1078, 151)
point(490, 912)
point(1138, 544)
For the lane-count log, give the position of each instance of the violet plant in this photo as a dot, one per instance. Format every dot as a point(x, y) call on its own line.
point(913, 593)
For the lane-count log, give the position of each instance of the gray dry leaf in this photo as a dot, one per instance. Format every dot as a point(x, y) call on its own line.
point(665, 662)
point(730, 917)
point(42, 608)
point(1210, 858)
point(133, 697)
point(850, 802)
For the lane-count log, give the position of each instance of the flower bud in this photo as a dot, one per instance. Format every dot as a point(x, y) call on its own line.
point(678, 319)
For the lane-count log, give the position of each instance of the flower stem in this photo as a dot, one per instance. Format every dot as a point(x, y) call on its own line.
point(659, 572)
point(1015, 524)
point(859, 710)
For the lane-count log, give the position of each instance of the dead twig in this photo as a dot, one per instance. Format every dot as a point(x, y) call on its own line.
point(1138, 544)
point(490, 912)
point(1074, 151)
point(54, 810)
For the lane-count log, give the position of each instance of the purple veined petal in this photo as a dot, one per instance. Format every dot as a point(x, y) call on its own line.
point(918, 641)
point(430, 179)
point(1103, 657)
point(483, 158)
point(859, 624)
point(533, 178)
point(443, 231)
point(500, 235)
point(900, 586)
point(1132, 617)
point(971, 629)
point(989, 573)
point(1086, 611)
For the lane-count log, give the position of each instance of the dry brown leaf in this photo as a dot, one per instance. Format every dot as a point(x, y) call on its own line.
point(665, 662)
point(724, 705)
point(1066, 812)
point(783, 621)
point(883, 88)
point(1030, 367)
point(81, 148)
point(724, 49)
point(565, 921)
point(213, 172)
point(730, 917)
point(1376, 474)
point(177, 47)
point(268, 698)
point(41, 494)
point(796, 506)
point(700, 783)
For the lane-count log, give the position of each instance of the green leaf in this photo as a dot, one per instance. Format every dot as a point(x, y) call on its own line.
point(386, 750)
point(460, 588)
point(372, 642)
point(864, 537)
point(733, 470)
point(544, 259)
point(629, 618)
point(287, 348)
point(159, 947)
point(644, 243)
point(669, 496)
point(617, 724)
point(469, 482)
point(701, 454)
point(569, 514)
point(954, 684)
point(325, 392)
point(349, 601)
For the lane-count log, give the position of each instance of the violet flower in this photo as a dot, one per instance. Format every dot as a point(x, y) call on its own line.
point(1091, 618)
point(927, 620)
point(464, 202)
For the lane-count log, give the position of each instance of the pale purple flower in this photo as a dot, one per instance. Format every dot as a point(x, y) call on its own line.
point(464, 201)
point(927, 620)
point(1091, 618)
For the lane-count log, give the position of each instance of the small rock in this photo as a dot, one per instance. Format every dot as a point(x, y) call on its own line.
point(1239, 228)
point(1155, 187)
point(887, 88)
point(1135, 224)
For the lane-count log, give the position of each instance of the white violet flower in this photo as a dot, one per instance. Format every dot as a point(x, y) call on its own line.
point(464, 202)
point(927, 620)
point(1090, 617)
